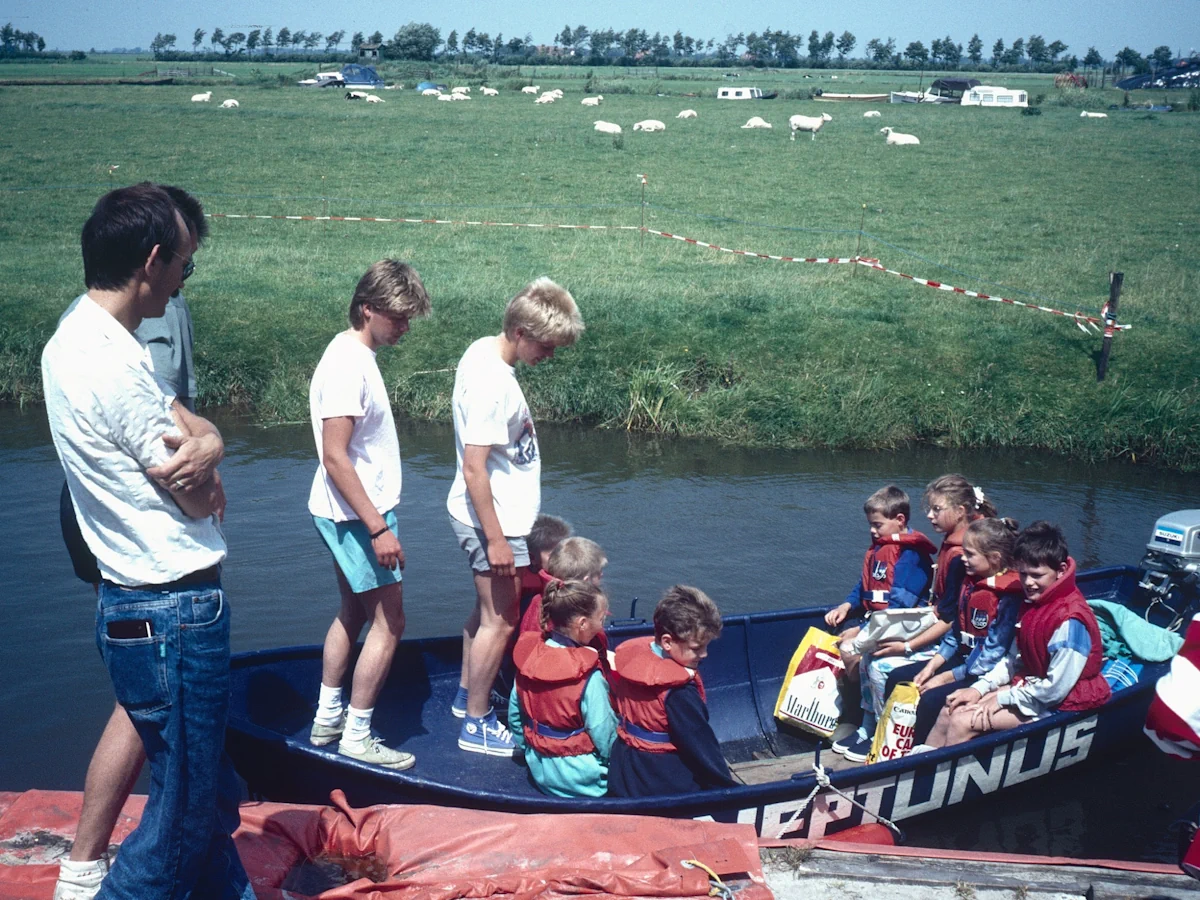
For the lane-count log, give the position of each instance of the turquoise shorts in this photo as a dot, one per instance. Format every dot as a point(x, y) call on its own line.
point(350, 545)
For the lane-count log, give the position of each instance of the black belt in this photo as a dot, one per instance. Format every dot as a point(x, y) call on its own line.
point(211, 575)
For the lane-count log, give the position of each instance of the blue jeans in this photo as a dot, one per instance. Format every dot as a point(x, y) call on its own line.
point(172, 677)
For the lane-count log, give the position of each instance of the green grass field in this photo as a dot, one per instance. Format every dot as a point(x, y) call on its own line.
point(680, 339)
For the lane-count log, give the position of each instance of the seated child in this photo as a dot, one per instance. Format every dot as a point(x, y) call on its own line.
point(1053, 663)
point(559, 712)
point(666, 745)
point(988, 608)
point(573, 559)
point(896, 573)
point(546, 534)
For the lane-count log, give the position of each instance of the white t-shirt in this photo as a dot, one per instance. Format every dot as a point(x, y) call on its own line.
point(108, 415)
point(490, 411)
point(347, 383)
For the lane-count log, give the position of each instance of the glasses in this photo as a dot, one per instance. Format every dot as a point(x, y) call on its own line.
point(188, 268)
point(937, 510)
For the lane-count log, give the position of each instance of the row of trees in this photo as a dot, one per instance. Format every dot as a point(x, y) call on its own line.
point(14, 41)
point(634, 46)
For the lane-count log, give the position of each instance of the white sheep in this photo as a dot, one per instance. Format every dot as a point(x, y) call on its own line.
point(202, 98)
point(464, 89)
point(431, 92)
point(557, 92)
point(872, 114)
point(488, 92)
point(1083, 115)
point(649, 125)
point(546, 98)
point(460, 96)
point(371, 98)
point(230, 104)
point(356, 95)
point(531, 89)
point(392, 87)
point(446, 97)
point(592, 101)
point(686, 114)
point(757, 122)
point(895, 138)
point(607, 127)
point(811, 124)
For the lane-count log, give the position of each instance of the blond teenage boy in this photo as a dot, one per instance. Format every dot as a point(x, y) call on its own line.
point(497, 488)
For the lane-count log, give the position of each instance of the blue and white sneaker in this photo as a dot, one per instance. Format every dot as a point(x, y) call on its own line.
point(841, 745)
point(860, 749)
point(485, 735)
point(458, 708)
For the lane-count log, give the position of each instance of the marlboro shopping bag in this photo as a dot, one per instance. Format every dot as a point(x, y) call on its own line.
point(810, 697)
point(894, 734)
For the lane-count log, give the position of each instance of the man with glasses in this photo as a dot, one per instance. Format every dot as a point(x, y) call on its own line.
point(141, 471)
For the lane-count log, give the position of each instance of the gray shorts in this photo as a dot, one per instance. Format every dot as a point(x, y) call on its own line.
point(473, 541)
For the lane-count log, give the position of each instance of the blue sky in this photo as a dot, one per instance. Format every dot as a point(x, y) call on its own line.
point(1107, 24)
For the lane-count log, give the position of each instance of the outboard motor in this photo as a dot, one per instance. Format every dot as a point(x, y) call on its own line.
point(1172, 566)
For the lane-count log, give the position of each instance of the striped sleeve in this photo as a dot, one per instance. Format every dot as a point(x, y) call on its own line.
point(1173, 722)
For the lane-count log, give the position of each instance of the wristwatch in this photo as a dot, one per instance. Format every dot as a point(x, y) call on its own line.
point(907, 649)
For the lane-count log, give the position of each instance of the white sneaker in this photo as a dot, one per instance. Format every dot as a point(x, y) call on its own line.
point(80, 880)
point(372, 751)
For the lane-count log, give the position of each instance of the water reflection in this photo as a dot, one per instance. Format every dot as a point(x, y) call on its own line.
point(756, 529)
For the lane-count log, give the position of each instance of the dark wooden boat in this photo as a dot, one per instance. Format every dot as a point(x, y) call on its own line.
point(274, 694)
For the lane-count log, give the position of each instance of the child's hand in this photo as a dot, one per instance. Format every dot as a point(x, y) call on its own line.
point(889, 648)
point(962, 697)
point(985, 709)
point(937, 681)
point(837, 615)
point(925, 674)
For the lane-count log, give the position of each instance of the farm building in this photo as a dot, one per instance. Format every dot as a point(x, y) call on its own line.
point(368, 52)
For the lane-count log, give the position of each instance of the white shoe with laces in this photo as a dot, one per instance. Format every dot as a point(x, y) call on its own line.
point(80, 880)
point(486, 735)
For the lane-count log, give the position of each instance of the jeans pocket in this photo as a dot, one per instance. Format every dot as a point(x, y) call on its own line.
point(207, 608)
point(138, 669)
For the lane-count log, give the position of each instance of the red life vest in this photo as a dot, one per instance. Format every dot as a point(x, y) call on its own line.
point(950, 550)
point(879, 563)
point(1040, 620)
point(644, 680)
point(532, 619)
point(979, 601)
point(550, 683)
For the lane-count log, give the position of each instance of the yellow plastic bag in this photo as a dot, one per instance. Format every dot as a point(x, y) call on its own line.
point(810, 697)
point(894, 733)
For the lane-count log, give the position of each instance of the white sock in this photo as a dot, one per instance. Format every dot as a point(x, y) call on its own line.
point(867, 728)
point(83, 873)
point(358, 725)
point(329, 706)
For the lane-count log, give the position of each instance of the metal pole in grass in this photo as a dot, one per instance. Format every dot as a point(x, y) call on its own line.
point(324, 199)
point(642, 178)
point(858, 240)
point(1109, 314)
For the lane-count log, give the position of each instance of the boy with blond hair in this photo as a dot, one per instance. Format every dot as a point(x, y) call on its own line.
point(496, 494)
point(575, 559)
point(666, 745)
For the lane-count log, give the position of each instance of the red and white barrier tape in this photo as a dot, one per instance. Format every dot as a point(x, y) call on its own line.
point(1078, 318)
point(425, 222)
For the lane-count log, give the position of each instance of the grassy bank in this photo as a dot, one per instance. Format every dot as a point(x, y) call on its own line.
point(680, 339)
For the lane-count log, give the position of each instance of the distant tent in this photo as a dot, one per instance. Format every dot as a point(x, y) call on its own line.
point(360, 76)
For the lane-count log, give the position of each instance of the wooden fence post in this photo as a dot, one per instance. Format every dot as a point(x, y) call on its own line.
point(1115, 279)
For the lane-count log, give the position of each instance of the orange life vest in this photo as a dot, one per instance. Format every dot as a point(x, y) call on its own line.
point(879, 563)
point(550, 683)
point(644, 679)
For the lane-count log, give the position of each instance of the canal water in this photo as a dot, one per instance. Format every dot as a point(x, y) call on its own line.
point(756, 529)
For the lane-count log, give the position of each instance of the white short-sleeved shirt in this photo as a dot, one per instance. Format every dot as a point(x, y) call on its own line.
point(490, 411)
point(108, 415)
point(347, 383)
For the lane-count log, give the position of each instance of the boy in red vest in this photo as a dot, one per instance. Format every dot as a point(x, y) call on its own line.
point(666, 744)
point(1055, 660)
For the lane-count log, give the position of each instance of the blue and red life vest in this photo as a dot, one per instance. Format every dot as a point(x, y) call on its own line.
point(550, 683)
point(879, 563)
point(645, 678)
point(979, 602)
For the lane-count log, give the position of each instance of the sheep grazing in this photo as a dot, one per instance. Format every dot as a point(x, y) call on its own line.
point(488, 92)
point(371, 98)
point(607, 127)
point(757, 122)
point(531, 89)
point(431, 92)
point(686, 114)
point(649, 125)
point(546, 98)
point(898, 138)
point(592, 101)
point(230, 104)
point(811, 124)
point(356, 95)
point(447, 97)
point(460, 90)
point(872, 114)
point(202, 98)
point(1083, 115)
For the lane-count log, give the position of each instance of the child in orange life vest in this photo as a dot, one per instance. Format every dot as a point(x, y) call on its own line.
point(896, 572)
point(546, 534)
point(667, 745)
point(1053, 663)
point(560, 712)
point(989, 605)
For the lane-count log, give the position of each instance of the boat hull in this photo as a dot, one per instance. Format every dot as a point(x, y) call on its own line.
point(273, 696)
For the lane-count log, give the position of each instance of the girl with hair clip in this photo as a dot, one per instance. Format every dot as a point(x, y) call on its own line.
point(989, 606)
point(560, 712)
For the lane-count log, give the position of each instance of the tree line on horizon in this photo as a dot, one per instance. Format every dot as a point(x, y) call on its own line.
point(634, 47)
